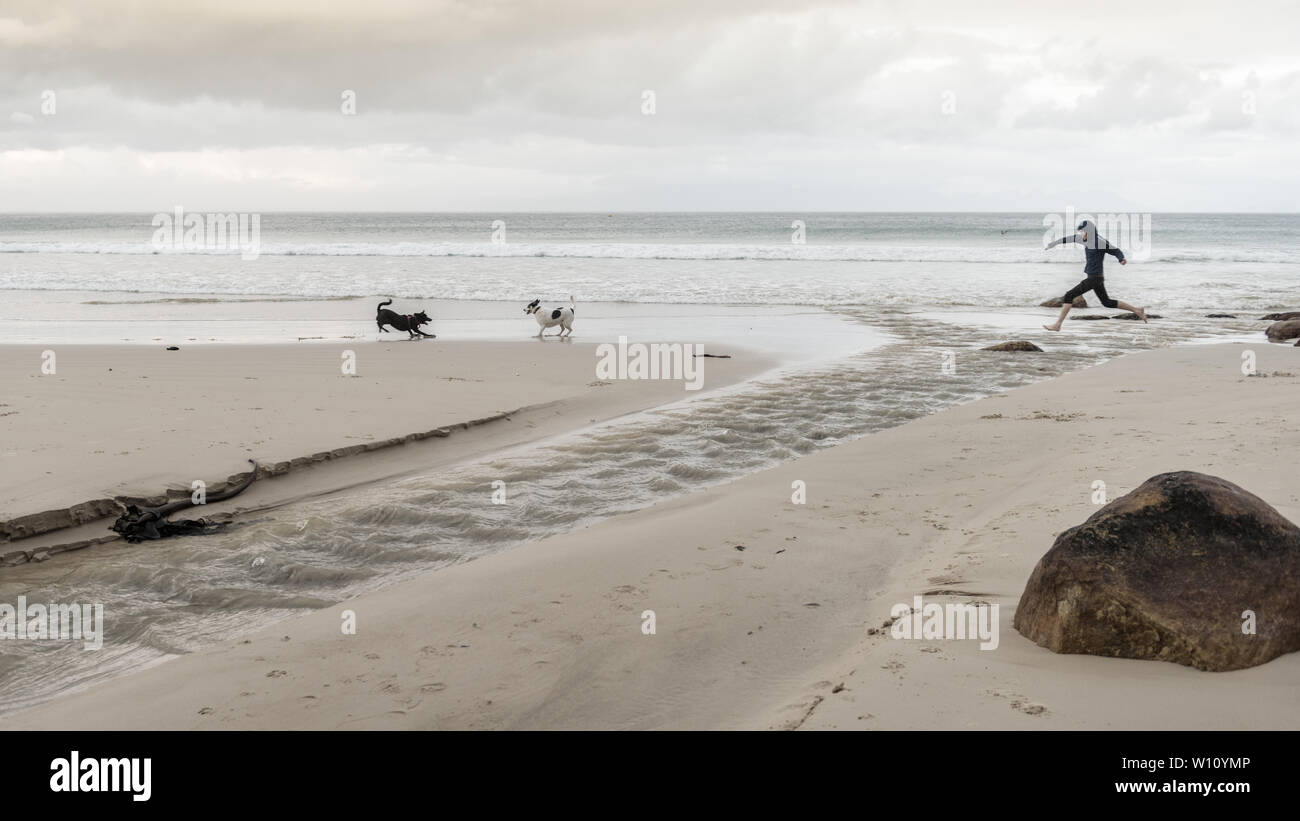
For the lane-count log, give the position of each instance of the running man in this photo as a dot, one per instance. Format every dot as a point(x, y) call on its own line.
point(1095, 249)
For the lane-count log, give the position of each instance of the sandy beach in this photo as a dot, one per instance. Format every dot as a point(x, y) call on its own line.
point(762, 607)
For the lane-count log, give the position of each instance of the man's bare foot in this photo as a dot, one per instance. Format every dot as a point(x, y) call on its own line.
point(1051, 327)
point(1142, 312)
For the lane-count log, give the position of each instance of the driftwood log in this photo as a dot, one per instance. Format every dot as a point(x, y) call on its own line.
point(138, 524)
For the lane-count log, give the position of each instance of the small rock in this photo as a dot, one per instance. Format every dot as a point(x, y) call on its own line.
point(1134, 317)
point(1089, 316)
point(1220, 316)
point(1016, 345)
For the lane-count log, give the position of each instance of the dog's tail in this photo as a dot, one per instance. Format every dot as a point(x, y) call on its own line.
point(571, 305)
point(382, 304)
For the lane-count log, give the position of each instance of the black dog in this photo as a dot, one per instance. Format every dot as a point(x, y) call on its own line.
point(403, 322)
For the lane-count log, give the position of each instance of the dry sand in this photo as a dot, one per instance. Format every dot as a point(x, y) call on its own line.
point(775, 635)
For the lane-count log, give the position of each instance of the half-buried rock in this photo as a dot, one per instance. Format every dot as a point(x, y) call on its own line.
point(1056, 302)
point(1168, 572)
point(1284, 330)
point(1017, 345)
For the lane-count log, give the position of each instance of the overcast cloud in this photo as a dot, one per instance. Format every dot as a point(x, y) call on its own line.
point(499, 106)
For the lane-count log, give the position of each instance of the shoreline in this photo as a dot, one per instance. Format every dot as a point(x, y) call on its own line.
point(785, 332)
point(775, 635)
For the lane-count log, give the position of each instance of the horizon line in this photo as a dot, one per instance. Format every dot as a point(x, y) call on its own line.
point(629, 212)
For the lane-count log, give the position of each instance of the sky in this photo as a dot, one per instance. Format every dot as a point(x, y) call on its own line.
point(670, 105)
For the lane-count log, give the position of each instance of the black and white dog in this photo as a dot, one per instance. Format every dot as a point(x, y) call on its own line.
point(403, 322)
point(550, 317)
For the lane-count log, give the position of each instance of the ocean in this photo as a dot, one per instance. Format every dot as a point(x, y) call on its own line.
point(1189, 261)
point(862, 314)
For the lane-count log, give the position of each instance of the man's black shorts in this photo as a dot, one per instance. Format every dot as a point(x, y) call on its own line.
point(1095, 284)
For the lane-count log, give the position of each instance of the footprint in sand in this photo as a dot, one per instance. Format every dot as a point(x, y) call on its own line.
point(1028, 707)
point(726, 566)
point(1020, 703)
point(946, 579)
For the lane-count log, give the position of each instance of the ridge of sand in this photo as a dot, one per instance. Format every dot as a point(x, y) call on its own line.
point(775, 635)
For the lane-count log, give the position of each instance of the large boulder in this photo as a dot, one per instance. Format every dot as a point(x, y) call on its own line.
point(1056, 302)
point(1282, 331)
point(1017, 345)
point(1281, 317)
point(1167, 572)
